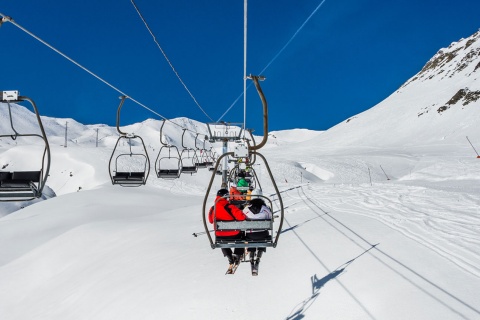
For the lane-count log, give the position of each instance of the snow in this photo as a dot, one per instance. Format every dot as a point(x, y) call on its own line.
point(382, 221)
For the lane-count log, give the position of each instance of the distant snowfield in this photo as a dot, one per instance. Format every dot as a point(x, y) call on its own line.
point(292, 136)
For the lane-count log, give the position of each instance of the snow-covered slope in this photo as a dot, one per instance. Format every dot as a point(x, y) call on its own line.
point(382, 219)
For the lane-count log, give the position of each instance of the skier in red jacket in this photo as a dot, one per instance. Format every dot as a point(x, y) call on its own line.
point(225, 211)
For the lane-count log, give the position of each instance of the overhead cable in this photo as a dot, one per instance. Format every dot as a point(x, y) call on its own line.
point(293, 37)
point(168, 60)
point(245, 29)
point(9, 19)
point(276, 56)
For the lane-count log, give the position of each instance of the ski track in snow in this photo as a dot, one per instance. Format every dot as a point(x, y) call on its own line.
point(310, 195)
point(427, 216)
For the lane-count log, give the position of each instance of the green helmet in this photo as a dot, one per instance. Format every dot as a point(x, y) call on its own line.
point(242, 183)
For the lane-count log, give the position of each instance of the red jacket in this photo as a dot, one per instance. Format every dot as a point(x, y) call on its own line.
point(225, 211)
point(235, 194)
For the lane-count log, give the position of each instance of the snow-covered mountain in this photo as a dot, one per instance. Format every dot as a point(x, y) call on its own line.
point(438, 105)
point(381, 218)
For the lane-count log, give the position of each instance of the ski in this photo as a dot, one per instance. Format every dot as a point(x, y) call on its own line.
point(231, 269)
point(254, 267)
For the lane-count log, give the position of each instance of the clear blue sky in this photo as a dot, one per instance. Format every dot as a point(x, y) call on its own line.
point(348, 57)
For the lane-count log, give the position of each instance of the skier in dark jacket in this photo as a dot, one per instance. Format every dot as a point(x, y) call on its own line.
point(225, 211)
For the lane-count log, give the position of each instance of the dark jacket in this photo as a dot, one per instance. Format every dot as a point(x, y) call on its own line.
point(225, 211)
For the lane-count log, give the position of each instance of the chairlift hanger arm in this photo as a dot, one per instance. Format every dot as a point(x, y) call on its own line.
point(44, 135)
point(256, 80)
point(183, 137)
point(254, 158)
point(118, 115)
point(196, 138)
point(161, 131)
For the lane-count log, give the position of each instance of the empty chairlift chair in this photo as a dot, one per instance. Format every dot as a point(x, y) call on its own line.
point(129, 164)
point(201, 160)
point(26, 182)
point(188, 158)
point(168, 164)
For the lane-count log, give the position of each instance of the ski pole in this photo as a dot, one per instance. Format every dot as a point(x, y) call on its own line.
point(196, 234)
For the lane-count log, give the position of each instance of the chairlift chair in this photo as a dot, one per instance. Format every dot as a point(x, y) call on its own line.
point(213, 159)
point(268, 225)
point(243, 226)
point(250, 176)
point(23, 185)
point(209, 158)
point(168, 164)
point(251, 153)
point(201, 160)
point(188, 158)
point(129, 164)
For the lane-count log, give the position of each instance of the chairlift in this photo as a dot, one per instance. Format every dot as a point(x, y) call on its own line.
point(188, 158)
point(268, 225)
point(214, 158)
point(129, 164)
point(224, 131)
point(23, 185)
point(208, 157)
point(245, 152)
point(248, 173)
point(201, 161)
point(168, 164)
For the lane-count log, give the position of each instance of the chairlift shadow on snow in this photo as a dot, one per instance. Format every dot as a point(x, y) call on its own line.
point(317, 284)
point(299, 310)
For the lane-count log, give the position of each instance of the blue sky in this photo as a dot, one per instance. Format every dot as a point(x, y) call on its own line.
point(348, 57)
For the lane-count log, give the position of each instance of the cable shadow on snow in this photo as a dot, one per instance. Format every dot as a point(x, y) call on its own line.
point(297, 225)
point(396, 261)
point(299, 311)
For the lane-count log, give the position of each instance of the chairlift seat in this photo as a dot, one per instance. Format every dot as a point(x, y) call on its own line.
point(201, 164)
point(19, 179)
point(19, 184)
point(189, 169)
point(168, 173)
point(246, 225)
point(129, 176)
